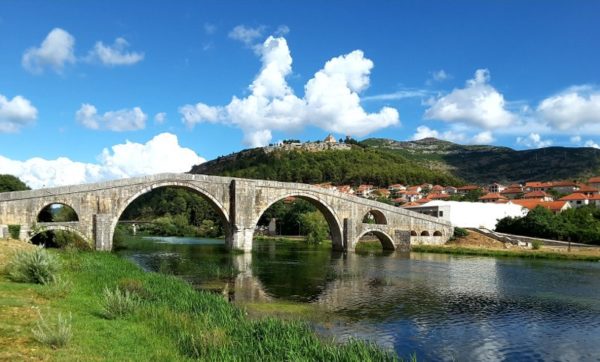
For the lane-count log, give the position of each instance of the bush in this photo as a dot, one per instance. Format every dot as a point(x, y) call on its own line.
point(118, 303)
point(54, 335)
point(536, 244)
point(33, 266)
point(460, 232)
point(14, 231)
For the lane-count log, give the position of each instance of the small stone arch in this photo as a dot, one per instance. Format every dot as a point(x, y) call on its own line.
point(335, 227)
point(437, 233)
point(376, 216)
point(50, 227)
point(387, 243)
point(222, 212)
point(46, 208)
point(425, 233)
point(413, 233)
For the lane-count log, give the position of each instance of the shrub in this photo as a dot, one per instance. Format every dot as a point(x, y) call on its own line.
point(118, 303)
point(14, 231)
point(460, 232)
point(54, 335)
point(536, 244)
point(33, 266)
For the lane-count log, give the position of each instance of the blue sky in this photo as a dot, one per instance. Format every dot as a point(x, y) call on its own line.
point(100, 89)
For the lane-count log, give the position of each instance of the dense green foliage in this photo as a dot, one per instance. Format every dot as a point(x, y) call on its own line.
point(175, 212)
point(175, 322)
point(314, 226)
point(577, 225)
point(356, 166)
point(288, 216)
point(472, 196)
point(14, 231)
point(11, 183)
point(484, 164)
point(460, 232)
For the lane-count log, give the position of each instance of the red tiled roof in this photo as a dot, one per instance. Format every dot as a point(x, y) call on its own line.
point(399, 200)
point(423, 201)
point(410, 204)
point(573, 197)
point(502, 201)
point(594, 180)
point(512, 190)
point(468, 188)
point(411, 193)
point(563, 184)
point(535, 194)
point(532, 204)
point(587, 189)
point(595, 197)
point(492, 196)
point(436, 196)
point(413, 188)
point(437, 188)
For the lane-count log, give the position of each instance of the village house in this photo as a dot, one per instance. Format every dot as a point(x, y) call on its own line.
point(451, 190)
point(537, 186)
point(495, 188)
point(588, 190)
point(538, 195)
point(594, 182)
point(576, 199)
point(364, 190)
point(347, 189)
point(412, 196)
point(492, 197)
point(564, 187)
point(512, 192)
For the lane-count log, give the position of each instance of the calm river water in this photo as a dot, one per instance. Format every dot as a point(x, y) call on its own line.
point(440, 307)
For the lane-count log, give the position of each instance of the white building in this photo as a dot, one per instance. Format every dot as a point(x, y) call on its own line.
point(470, 214)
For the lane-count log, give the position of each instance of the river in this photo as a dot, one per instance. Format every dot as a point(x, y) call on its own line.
point(440, 307)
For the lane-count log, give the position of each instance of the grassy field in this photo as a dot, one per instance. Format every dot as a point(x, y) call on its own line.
point(543, 253)
point(172, 321)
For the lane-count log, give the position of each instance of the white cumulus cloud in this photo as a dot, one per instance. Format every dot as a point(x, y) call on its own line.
point(590, 143)
point(534, 140)
point(576, 107)
point(121, 120)
point(115, 54)
point(478, 104)
point(56, 50)
point(160, 154)
point(15, 113)
point(331, 99)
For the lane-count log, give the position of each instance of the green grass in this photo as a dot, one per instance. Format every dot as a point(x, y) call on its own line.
point(533, 254)
point(172, 321)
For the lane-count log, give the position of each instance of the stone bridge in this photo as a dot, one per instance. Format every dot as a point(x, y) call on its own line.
point(239, 202)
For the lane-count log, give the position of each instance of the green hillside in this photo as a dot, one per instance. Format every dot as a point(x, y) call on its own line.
point(355, 166)
point(483, 164)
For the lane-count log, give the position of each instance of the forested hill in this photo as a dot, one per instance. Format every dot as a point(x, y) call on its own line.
point(483, 164)
point(355, 166)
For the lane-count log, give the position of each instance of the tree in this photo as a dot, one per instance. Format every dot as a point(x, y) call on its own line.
point(10, 183)
point(314, 226)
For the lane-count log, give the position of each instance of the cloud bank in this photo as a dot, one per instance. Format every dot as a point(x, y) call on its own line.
point(160, 154)
point(331, 99)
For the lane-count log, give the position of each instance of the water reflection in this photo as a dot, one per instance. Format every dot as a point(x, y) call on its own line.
point(441, 307)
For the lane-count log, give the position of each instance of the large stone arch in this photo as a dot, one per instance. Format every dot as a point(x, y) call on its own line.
point(58, 227)
point(221, 210)
point(387, 242)
point(46, 205)
point(335, 226)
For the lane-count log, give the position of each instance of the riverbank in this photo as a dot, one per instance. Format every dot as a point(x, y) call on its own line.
point(543, 253)
point(172, 321)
